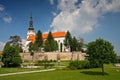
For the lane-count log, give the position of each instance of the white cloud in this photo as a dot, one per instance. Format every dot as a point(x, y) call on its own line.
point(3, 14)
point(1, 46)
point(51, 2)
point(7, 19)
point(54, 14)
point(82, 17)
point(1, 7)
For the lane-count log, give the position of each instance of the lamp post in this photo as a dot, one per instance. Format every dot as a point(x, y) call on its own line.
point(58, 59)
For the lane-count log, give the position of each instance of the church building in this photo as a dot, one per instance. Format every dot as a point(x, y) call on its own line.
point(31, 36)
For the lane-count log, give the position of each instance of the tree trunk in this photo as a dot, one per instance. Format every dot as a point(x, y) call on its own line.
point(102, 69)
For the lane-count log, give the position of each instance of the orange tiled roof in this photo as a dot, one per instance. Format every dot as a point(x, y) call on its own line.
point(55, 35)
point(32, 38)
point(0, 53)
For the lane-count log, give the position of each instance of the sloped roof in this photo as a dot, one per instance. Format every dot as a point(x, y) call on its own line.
point(0, 53)
point(32, 38)
point(55, 35)
point(44, 36)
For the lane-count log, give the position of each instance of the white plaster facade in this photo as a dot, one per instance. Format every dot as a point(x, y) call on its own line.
point(60, 41)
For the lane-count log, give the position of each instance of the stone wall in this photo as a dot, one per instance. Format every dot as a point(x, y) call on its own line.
point(53, 56)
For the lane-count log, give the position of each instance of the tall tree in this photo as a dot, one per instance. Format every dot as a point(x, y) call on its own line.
point(74, 44)
point(79, 46)
point(100, 52)
point(50, 43)
point(68, 40)
point(39, 40)
point(55, 45)
point(33, 47)
point(47, 47)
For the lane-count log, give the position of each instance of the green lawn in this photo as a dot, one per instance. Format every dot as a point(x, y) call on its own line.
point(112, 73)
point(62, 63)
point(12, 70)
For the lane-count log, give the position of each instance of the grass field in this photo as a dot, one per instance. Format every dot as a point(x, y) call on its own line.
point(111, 73)
point(12, 70)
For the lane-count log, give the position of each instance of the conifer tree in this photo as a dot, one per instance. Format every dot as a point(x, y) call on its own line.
point(50, 43)
point(39, 40)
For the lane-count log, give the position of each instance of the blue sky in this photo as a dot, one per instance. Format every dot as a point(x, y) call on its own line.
point(89, 19)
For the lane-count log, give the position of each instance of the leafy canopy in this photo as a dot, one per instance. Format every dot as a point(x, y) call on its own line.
point(11, 57)
point(100, 52)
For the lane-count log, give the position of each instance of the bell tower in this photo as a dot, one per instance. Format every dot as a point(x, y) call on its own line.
point(30, 30)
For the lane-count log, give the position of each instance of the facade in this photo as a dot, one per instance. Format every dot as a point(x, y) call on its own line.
point(58, 36)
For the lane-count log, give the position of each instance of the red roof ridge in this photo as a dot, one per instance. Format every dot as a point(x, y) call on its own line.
point(55, 34)
point(45, 35)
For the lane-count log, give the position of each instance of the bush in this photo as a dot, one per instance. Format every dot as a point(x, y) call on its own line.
point(44, 63)
point(79, 64)
point(11, 57)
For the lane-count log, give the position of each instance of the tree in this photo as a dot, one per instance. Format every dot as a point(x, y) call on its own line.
point(50, 43)
point(47, 46)
point(79, 46)
point(100, 52)
point(68, 40)
point(6, 45)
point(39, 40)
point(74, 44)
point(32, 49)
point(11, 57)
point(15, 40)
point(55, 45)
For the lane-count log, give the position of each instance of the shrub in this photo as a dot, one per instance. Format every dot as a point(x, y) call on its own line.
point(11, 57)
point(44, 63)
point(79, 64)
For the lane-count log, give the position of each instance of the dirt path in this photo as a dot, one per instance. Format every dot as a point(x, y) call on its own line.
point(27, 72)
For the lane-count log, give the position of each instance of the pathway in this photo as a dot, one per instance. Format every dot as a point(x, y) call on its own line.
point(27, 72)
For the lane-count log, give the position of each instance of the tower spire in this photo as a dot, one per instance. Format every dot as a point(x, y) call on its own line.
point(31, 28)
point(31, 23)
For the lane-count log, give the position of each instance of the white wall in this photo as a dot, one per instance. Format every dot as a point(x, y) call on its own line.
point(60, 40)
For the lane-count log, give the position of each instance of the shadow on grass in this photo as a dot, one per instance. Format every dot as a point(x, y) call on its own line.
point(93, 73)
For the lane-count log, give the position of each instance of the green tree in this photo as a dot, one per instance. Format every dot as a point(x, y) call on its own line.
point(6, 45)
point(33, 47)
point(74, 44)
point(68, 40)
point(79, 46)
point(50, 43)
point(19, 48)
point(39, 40)
point(55, 45)
point(11, 57)
point(47, 46)
point(100, 52)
